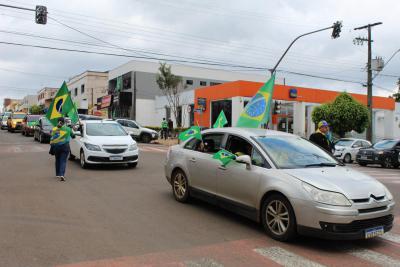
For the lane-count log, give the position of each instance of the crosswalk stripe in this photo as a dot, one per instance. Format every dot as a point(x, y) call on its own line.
point(391, 237)
point(286, 258)
point(203, 262)
point(374, 257)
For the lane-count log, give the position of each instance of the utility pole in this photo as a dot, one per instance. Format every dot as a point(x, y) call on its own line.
point(369, 73)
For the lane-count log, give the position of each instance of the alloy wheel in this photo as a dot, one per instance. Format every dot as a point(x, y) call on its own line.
point(387, 162)
point(180, 185)
point(347, 158)
point(277, 217)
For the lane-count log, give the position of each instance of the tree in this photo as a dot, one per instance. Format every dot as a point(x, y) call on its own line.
point(344, 114)
point(172, 86)
point(396, 96)
point(35, 109)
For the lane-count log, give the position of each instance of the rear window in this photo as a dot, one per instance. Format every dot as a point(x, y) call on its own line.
point(33, 118)
point(18, 116)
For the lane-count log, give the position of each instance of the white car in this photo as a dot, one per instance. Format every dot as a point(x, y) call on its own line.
point(103, 142)
point(346, 149)
point(138, 132)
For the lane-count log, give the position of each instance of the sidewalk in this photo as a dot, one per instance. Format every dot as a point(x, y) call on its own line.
point(168, 142)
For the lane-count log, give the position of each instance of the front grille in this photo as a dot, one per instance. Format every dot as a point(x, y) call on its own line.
point(106, 159)
point(361, 200)
point(115, 150)
point(372, 209)
point(359, 225)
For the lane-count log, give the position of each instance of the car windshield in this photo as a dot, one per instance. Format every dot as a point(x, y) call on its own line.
point(104, 129)
point(344, 142)
point(33, 118)
point(46, 123)
point(18, 116)
point(289, 152)
point(386, 144)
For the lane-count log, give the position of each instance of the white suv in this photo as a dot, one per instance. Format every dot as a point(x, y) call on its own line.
point(346, 149)
point(138, 132)
point(103, 142)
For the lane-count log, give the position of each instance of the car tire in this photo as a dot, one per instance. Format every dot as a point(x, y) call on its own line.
point(145, 138)
point(180, 186)
point(132, 165)
point(22, 132)
point(387, 163)
point(277, 207)
point(41, 139)
point(82, 160)
point(347, 158)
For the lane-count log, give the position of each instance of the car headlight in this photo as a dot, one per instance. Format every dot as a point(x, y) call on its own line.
point(389, 195)
point(92, 147)
point(380, 152)
point(326, 197)
point(132, 147)
point(339, 149)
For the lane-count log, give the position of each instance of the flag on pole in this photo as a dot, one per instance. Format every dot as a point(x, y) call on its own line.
point(257, 110)
point(61, 105)
point(224, 156)
point(192, 131)
point(221, 120)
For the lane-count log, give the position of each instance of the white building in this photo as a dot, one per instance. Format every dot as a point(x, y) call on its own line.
point(27, 102)
point(86, 88)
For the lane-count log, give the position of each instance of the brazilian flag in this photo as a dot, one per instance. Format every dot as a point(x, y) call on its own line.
point(224, 156)
point(192, 131)
point(221, 120)
point(61, 105)
point(257, 110)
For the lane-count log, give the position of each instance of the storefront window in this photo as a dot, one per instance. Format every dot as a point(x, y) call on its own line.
point(285, 118)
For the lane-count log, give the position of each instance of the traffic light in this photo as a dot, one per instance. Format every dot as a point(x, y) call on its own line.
point(337, 28)
point(277, 108)
point(41, 15)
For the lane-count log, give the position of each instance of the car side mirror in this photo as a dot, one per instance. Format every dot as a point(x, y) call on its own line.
point(244, 159)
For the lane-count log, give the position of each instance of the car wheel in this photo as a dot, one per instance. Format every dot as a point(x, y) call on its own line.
point(387, 162)
point(180, 186)
point(278, 218)
point(22, 132)
point(132, 165)
point(82, 160)
point(41, 138)
point(145, 138)
point(347, 158)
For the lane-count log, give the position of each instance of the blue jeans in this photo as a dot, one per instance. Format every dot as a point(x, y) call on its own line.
point(61, 153)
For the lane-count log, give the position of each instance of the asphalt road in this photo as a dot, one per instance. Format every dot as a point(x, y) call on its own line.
point(115, 216)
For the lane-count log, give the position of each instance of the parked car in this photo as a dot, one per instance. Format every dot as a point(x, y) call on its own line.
point(138, 132)
point(103, 142)
point(385, 153)
point(85, 117)
point(29, 123)
point(346, 149)
point(4, 119)
point(42, 131)
point(14, 121)
point(283, 181)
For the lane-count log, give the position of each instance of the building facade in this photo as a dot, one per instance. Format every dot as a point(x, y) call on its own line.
point(11, 104)
point(45, 96)
point(27, 102)
point(136, 94)
point(86, 87)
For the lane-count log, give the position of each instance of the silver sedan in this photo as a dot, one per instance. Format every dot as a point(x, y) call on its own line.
point(282, 181)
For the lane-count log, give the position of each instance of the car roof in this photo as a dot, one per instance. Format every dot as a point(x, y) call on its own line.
point(99, 121)
point(248, 132)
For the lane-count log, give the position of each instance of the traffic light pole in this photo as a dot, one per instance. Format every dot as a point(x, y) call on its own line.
point(369, 132)
point(40, 12)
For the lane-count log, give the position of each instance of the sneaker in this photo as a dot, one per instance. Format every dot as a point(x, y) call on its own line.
point(57, 177)
point(62, 178)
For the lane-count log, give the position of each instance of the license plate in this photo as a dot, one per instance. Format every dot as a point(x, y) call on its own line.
point(363, 157)
point(373, 232)
point(113, 158)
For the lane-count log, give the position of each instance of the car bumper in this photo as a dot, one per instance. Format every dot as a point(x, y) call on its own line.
point(370, 159)
point(342, 222)
point(100, 157)
point(339, 155)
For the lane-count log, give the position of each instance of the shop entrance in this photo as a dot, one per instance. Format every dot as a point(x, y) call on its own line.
point(217, 106)
point(285, 118)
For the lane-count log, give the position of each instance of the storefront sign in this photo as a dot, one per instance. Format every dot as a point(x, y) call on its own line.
point(293, 93)
point(202, 103)
point(105, 101)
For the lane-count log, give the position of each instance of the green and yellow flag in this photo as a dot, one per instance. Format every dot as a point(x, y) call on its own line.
point(73, 113)
point(224, 156)
point(257, 110)
point(192, 131)
point(61, 105)
point(221, 120)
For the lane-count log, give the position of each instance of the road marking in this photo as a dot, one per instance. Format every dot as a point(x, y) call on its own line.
point(374, 257)
point(391, 237)
point(286, 258)
point(203, 262)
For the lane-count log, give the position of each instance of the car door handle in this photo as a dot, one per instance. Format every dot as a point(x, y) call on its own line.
point(193, 160)
point(222, 168)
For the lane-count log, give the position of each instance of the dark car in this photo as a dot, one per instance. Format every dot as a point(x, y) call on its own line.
point(42, 130)
point(29, 123)
point(385, 153)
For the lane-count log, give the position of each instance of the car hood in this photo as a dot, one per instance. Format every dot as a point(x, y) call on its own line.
point(351, 183)
point(110, 140)
point(340, 147)
point(147, 130)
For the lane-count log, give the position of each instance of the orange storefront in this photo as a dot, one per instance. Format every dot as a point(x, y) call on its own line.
point(244, 90)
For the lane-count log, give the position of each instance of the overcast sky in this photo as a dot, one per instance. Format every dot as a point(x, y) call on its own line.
point(237, 32)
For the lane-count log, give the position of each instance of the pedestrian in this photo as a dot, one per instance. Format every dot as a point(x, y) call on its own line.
point(170, 128)
point(59, 146)
point(164, 129)
point(320, 137)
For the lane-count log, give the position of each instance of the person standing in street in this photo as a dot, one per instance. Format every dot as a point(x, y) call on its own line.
point(170, 128)
point(164, 129)
point(59, 146)
point(320, 137)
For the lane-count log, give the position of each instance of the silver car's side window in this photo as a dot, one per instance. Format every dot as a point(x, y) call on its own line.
point(258, 160)
point(191, 144)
